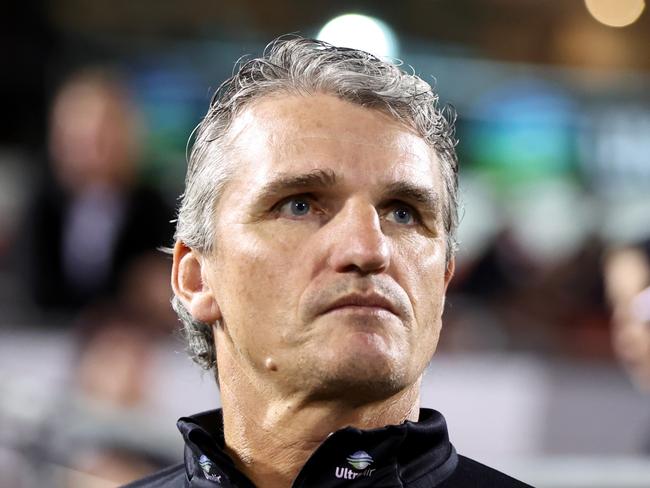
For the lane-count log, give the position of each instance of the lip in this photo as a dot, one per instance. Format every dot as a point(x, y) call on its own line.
point(371, 301)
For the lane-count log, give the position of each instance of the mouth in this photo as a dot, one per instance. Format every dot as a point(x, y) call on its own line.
point(371, 303)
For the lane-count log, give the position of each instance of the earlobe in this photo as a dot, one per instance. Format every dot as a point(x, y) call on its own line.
point(190, 286)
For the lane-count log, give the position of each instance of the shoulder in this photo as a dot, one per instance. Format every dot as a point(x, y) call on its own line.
point(470, 473)
point(171, 477)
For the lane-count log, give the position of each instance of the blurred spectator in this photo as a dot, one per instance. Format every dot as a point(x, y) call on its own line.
point(628, 288)
point(116, 341)
point(92, 221)
point(100, 430)
point(507, 299)
point(90, 252)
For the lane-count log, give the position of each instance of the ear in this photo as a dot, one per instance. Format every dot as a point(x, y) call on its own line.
point(191, 287)
point(449, 272)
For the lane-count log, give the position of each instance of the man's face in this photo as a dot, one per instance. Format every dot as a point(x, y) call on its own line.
point(329, 267)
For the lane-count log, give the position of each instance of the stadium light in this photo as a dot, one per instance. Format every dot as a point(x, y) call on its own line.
point(361, 32)
point(615, 13)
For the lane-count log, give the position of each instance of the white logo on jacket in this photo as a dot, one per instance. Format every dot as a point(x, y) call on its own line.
point(360, 461)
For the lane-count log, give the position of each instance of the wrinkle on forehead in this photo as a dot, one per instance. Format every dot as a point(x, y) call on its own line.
point(289, 133)
point(401, 144)
point(260, 119)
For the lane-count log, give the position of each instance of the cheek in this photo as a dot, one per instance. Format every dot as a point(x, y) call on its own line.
point(259, 279)
point(424, 278)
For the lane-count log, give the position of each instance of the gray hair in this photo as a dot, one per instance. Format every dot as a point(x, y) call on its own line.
point(299, 66)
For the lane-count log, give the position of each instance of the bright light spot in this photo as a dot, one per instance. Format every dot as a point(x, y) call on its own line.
point(615, 13)
point(361, 32)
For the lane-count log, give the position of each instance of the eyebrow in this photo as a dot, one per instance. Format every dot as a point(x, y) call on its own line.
point(422, 195)
point(323, 179)
point(289, 182)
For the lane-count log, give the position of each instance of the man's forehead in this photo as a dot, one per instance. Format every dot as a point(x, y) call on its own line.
point(296, 135)
point(309, 118)
point(295, 127)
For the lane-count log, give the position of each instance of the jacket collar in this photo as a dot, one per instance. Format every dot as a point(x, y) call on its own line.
point(410, 454)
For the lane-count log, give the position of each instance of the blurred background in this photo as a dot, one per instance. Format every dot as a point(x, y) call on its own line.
point(544, 365)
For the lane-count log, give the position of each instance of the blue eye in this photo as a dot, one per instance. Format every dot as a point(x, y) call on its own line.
point(299, 207)
point(403, 215)
point(296, 207)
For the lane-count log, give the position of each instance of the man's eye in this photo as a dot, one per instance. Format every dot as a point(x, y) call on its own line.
point(402, 214)
point(295, 207)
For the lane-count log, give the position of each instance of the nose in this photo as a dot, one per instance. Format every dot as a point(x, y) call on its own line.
point(358, 243)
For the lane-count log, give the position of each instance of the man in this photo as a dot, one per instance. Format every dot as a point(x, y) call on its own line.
point(314, 245)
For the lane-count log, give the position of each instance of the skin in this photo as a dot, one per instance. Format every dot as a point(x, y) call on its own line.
point(92, 136)
point(330, 200)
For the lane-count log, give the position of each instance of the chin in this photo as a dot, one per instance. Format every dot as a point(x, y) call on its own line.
point(361, 361)
point(358, 391)
point(361, 377)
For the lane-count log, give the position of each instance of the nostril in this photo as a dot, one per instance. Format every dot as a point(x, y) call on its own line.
point(353, 268)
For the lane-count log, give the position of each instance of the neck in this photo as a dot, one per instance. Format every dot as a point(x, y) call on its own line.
point(271, 440)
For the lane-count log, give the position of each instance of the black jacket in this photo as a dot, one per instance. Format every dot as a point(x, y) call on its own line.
point(410, 455)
